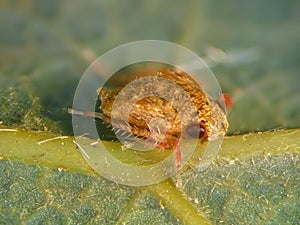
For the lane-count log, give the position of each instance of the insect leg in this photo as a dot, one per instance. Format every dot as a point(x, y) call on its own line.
point(177, 155)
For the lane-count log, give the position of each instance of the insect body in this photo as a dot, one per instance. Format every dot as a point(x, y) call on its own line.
point(158, 120)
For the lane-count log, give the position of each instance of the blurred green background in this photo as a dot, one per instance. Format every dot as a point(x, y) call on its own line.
point(253, 48)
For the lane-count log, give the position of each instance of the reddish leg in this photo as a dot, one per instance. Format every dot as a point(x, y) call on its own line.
point(178, 164)
point(177, 155)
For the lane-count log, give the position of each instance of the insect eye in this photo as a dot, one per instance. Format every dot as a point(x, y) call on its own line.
point(195, 130)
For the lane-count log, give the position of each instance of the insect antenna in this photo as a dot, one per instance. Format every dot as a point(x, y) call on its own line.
point(96, 115)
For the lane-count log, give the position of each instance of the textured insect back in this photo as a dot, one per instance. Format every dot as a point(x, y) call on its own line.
point(157, 110)
point(153, 103)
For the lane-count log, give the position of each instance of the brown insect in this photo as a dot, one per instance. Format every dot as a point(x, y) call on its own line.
point(210, 120)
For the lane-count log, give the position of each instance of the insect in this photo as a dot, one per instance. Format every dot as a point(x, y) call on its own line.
point(210, 120)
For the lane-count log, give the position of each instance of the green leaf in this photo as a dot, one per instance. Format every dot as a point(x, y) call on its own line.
point(44, 179)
